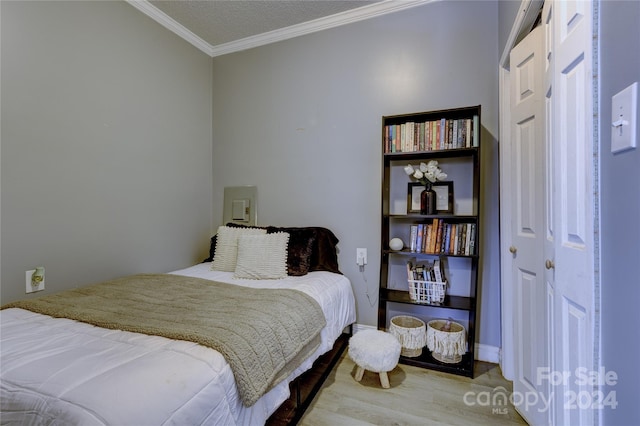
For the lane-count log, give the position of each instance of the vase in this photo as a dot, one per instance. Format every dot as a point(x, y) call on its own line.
point(427, 201)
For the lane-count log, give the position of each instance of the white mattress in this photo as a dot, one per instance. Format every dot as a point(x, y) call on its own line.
point(63, 372)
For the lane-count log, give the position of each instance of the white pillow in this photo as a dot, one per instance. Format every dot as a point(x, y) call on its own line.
point(226, 253)
point(262, 257)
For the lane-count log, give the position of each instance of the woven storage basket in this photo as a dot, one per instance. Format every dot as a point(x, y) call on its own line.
point(412, 334)
point(431, 292)
point(446, 346)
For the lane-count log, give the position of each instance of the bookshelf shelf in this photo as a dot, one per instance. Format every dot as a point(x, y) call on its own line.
point(450, 302)
point(413, 139)
point(409, 253)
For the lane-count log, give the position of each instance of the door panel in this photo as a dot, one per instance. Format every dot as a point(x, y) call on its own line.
point(572, 149)
point(575, 331)
point(525, 147)
point(528, 283)
point(527, 231)
point(573, 156)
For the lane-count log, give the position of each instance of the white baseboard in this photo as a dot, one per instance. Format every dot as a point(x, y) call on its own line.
point(359, 327)
point(488, 353)
point(484, 353)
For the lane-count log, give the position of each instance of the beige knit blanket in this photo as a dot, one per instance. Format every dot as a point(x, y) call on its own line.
point(262, 333)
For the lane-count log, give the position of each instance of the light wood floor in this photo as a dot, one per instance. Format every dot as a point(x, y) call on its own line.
point(417, 397)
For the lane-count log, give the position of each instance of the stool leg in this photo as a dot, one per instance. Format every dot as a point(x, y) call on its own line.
point(384, 380)
point(359, 373)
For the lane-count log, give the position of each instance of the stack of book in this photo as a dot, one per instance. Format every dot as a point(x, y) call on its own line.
point(427, 272)
point(431, 135)
point(427, 283)
point(439, 237)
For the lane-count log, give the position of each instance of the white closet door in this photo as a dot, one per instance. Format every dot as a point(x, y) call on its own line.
point(571, 264)
point(528, 226)
point(551, 208)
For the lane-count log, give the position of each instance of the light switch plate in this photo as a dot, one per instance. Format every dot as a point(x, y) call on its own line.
point(624, 107)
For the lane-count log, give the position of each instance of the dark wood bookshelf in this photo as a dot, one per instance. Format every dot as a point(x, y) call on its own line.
point(396, 223)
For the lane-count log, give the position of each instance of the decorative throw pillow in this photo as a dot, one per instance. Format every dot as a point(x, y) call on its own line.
point(212, 249)
point(262, 257)
point(324, 255)
point(226, 251)
point(301, 244)
point(299, 255)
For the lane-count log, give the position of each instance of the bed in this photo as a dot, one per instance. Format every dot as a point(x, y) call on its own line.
point(56, 370)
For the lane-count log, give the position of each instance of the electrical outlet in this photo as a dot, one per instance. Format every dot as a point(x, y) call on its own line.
point(29, 287)
point(361, 256)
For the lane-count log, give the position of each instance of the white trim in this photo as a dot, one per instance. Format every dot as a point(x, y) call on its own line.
point(347, 17)
point(528, 12)
point(488, 353)
point(359, 327)
point(515, 30)
point(507, 362)
point(169, 23)
point(366, 12)
point(484, 353)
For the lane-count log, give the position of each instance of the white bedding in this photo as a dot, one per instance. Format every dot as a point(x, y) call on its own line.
point(63, 372)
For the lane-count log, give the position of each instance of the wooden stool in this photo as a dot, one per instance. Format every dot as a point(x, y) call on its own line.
point(375, 351)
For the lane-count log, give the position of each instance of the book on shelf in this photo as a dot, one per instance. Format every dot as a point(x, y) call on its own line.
point(436, 271)
point(413, 236)
point(438, 245)
point(446, 239)
point(434, 236)
point(454, 134)
point(442, 265)
point(431, 135)
point(427, 271)
point(452, 242)
point(439, 237)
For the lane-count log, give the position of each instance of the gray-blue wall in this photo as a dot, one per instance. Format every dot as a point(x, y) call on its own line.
point(301, 119)
point(106, 145)
point(107, 128)
point(620, 214)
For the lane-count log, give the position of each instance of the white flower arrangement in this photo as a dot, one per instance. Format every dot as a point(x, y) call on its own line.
point(427, 173)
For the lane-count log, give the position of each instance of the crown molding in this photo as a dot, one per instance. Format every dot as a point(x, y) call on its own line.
point(360, 14)
point(354, 15)
point(172, 25)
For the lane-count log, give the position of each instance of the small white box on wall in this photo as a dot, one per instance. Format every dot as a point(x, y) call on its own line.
point(240, 205)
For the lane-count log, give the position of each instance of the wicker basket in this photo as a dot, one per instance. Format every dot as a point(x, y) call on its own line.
point(412, 334)
point(446, 346)
point(431, 292)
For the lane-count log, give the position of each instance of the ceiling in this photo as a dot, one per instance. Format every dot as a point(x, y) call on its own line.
point(218, 27)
